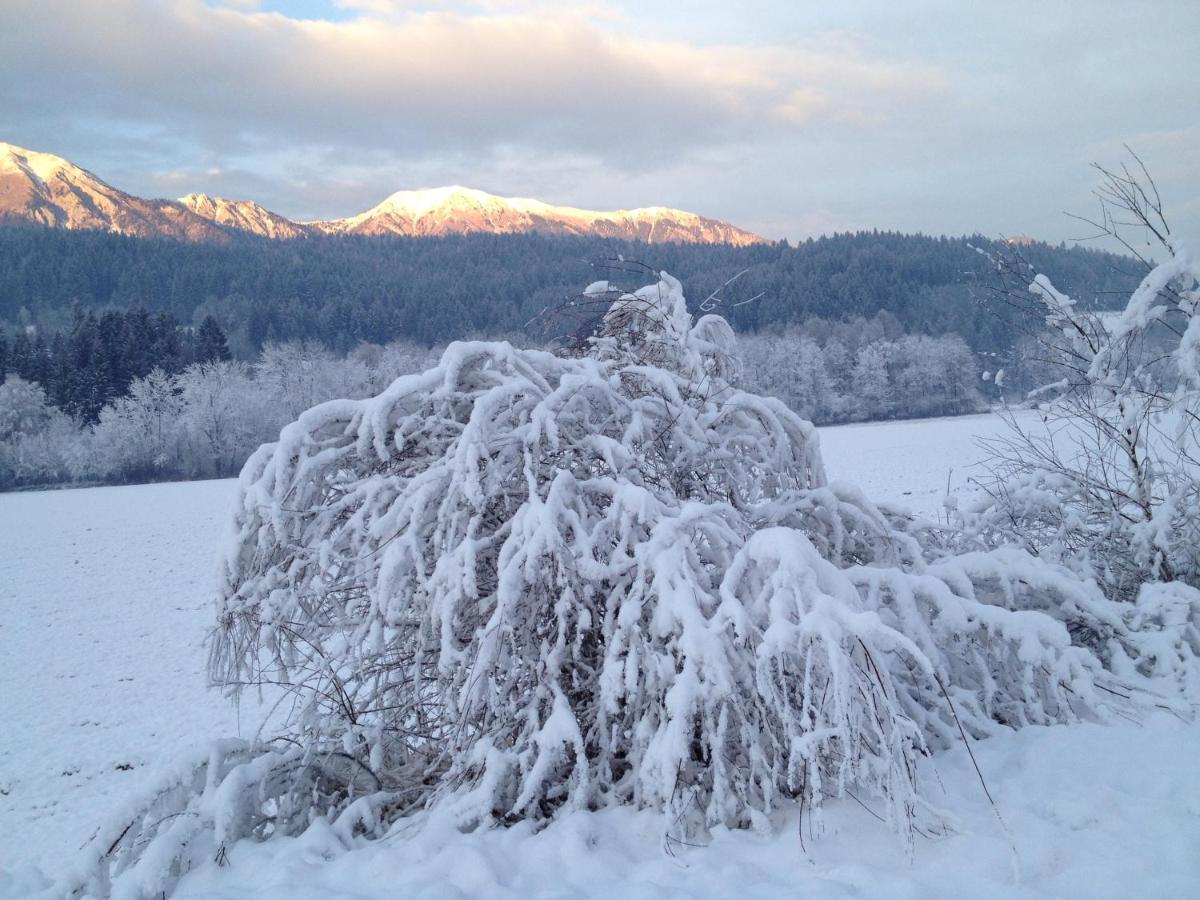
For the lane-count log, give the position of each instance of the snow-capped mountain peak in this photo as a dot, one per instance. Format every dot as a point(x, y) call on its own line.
point(426, 200)
point(42, 166)
point(49, 190)
point(45, 189)
point(458, 209)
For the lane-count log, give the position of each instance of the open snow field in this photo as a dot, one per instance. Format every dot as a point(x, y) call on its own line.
point(105, 598)
point(910, 462)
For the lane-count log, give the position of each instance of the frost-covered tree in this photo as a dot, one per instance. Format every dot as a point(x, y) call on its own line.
point(869, 380)
point(300, 375)
point(141, 434)
point(790, 367)
point(35, 437)
point(224, 412)
point(1108, 479)
point(23, 408)
point(524, 583)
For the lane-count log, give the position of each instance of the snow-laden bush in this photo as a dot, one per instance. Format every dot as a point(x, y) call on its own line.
point(1107, 481)
point(524, 583)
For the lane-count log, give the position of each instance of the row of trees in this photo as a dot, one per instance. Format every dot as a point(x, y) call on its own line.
point(906, 377)
point(91, 364)
point(204, 419)
point(198, 423)
point(346, 290)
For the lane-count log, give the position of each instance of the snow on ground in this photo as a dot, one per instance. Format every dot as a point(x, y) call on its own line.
point(911, 462)
point(104, 604)
point(1094, 812)
point(105, 596)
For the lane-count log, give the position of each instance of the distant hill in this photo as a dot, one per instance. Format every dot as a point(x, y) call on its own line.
point(43, 189)
point(345, 288)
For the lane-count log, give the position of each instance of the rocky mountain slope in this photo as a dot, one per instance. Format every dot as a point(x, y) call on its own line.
point(244, 215)
point(48, 190)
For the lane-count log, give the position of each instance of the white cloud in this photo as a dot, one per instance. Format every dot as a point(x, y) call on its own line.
point(431, 81)
point(868, 113)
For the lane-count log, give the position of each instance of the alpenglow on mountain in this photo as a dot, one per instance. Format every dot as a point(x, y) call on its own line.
point(48, 190)
point(456, 209)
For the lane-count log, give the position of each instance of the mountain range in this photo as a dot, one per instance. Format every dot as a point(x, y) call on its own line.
point(48, 190)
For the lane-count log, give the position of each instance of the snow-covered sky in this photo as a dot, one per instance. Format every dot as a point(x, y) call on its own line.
point(791, 117)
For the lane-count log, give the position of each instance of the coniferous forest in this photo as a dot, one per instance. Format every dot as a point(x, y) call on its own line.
point(105, 334)
point(341, 291)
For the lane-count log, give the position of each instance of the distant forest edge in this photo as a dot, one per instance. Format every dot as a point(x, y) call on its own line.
point(131, 359)
point(345, 290)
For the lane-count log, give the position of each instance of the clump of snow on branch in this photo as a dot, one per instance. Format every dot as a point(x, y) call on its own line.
point(524, 583)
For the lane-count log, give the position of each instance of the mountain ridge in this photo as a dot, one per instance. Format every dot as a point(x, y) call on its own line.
point(48, 190)
point(45, 189)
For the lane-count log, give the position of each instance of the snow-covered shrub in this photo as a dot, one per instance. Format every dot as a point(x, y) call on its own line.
point(204, 802)
point(524, 583)
point(1107, 481)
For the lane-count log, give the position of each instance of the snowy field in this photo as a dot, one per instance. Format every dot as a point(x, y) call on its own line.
point(105, 595)
point(910, 462)
point(105, 599)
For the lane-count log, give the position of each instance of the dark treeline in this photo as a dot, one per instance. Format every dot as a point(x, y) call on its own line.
point(84, 367)
point(345, 290)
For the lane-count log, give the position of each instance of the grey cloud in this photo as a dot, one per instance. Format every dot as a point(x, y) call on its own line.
point(923, 116)
point(228, 79)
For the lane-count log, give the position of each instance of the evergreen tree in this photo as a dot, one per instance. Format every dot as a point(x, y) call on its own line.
point(114, 369)
point(21, 354)
point(168, 349)
point(60, 375)
point(86, 394)
point(211, 344)
point(39, 363)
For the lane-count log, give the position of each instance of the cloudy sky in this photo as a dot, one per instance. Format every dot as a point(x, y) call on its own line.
point(792, 118)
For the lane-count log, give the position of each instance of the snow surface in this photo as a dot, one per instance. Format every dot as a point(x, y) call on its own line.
point(911, 462)
point(106, 596)
point(106, 599)
point(1094, 811)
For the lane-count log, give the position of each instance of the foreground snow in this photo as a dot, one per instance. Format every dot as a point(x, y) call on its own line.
point(106, 598)
point(1094, 812)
